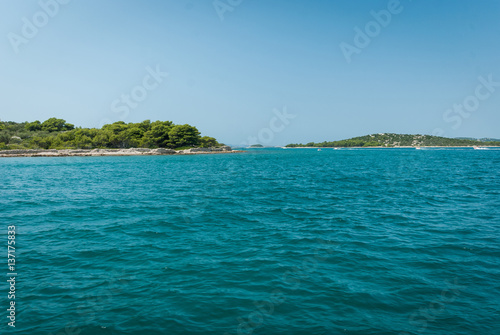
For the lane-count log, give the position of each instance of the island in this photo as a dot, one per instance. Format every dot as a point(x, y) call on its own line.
point(56, 137)
point(388, 140)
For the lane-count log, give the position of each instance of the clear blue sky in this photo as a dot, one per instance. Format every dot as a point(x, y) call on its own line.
point(228, 76)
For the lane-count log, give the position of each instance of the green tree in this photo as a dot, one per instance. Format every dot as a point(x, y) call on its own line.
point(68, 136)
point(144, 125)
point(33, 126)
point(54, 124)
point(5, 137)
point(83, 142)
point(132, 136)
point(116, 134)
point(184, 135)
point(41, 142)
point(158, 135)
point(207, 142)
point(116, 127)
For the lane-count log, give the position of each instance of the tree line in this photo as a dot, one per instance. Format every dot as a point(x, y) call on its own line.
point(56, 133)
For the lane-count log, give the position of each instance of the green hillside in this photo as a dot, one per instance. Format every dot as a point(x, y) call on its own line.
point(485, 139)
point(398, 140)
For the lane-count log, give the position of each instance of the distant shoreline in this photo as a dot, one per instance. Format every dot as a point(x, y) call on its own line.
point(391, 140)
point(400, 147)
point(113, 152)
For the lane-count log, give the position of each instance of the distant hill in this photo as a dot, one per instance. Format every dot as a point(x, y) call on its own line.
point(399, 140)
point(485, 139)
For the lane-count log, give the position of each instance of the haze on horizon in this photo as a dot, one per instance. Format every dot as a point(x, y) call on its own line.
point(272, 72)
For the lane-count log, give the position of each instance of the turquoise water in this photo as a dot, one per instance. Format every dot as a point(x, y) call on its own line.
point(395, 241)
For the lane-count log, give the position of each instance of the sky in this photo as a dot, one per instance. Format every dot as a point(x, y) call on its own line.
point(256, 71)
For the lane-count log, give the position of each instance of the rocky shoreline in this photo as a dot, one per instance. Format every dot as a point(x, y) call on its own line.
point(113, 152)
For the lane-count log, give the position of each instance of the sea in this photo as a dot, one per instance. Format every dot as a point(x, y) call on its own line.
point(268, 241)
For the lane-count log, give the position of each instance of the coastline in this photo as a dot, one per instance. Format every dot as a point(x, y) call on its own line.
point(113, 152)
point(400, 147)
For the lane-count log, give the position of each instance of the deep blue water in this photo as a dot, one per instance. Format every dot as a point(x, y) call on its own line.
point(395, 241)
